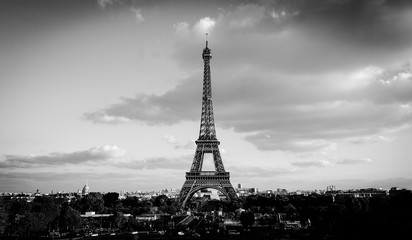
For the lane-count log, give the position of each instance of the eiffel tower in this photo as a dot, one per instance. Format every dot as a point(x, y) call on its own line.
point(197, 179)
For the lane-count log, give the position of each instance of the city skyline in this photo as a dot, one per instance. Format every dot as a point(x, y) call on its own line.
point(306, 94)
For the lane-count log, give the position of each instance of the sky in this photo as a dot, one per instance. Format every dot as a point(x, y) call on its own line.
point(306, 94)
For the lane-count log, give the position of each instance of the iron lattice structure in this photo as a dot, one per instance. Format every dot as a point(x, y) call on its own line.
point(197, 179)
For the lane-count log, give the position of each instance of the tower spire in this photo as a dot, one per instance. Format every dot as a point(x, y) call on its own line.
point(206, 39)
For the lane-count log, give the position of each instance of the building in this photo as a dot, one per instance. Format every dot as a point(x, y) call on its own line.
point(86, 189)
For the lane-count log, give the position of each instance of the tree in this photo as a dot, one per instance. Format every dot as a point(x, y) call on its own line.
point(161, 200)
point(19, 206)
point(92, 202)
point(211, 205)
point(3, 215)
point(247, 219)
point(39, 222)
point(69, 218)
point(18, 225)
point(110, 199)
point(168, 209)
point(118, 219)
point(291, 211)
point(46, 210)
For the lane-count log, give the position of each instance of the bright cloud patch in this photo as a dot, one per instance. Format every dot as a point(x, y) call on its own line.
point(199, 29)
point(204, 25)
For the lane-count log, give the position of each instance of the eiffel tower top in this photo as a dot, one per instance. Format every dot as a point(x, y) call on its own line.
point(207, 54)
point(207, 122)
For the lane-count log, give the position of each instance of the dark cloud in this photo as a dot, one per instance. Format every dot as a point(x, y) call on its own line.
point(305, 36)
point(169, 108)
point(285, 115)
point(96, 154)
point(391, 86)
point(368, 23)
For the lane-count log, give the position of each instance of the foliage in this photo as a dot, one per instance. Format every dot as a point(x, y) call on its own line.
point(118, 219)
point(161, 200)
point(93, 202)
point(69, 218)
point(3, 215)
point(110, 199)
point(247, 218)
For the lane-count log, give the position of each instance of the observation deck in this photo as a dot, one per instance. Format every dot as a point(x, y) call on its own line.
point(207, 175)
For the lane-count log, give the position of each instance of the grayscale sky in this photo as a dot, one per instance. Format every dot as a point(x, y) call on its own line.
point(306, 93)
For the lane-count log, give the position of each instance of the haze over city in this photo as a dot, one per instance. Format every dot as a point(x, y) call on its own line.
point(306, 94)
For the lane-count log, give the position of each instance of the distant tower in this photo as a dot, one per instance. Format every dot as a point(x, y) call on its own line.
point(197, 179)
point(86, 189)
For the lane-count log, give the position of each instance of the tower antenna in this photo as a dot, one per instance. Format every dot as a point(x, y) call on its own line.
point(206, 38)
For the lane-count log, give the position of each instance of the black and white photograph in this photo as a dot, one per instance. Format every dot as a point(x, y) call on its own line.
point(205, 119)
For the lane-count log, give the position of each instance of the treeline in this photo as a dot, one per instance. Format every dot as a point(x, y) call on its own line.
point(46, 214)
point(342, 215)
point(337, 217)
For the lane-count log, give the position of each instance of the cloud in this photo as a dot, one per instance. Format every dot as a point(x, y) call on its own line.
point(164, 110)
point(204, 25)
point(92, 155)
point(299, 77)
point(351, 161)
point(104, 3)
point(183, 30)
point(371, 139)
point(158, 163)
point(330, 163)
point(302, 30)
point(101, 117)
point(245, 16)
point(138, 14)
point(169, 139)
point(319, 163)
point(265, 141)
point(282, 114)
